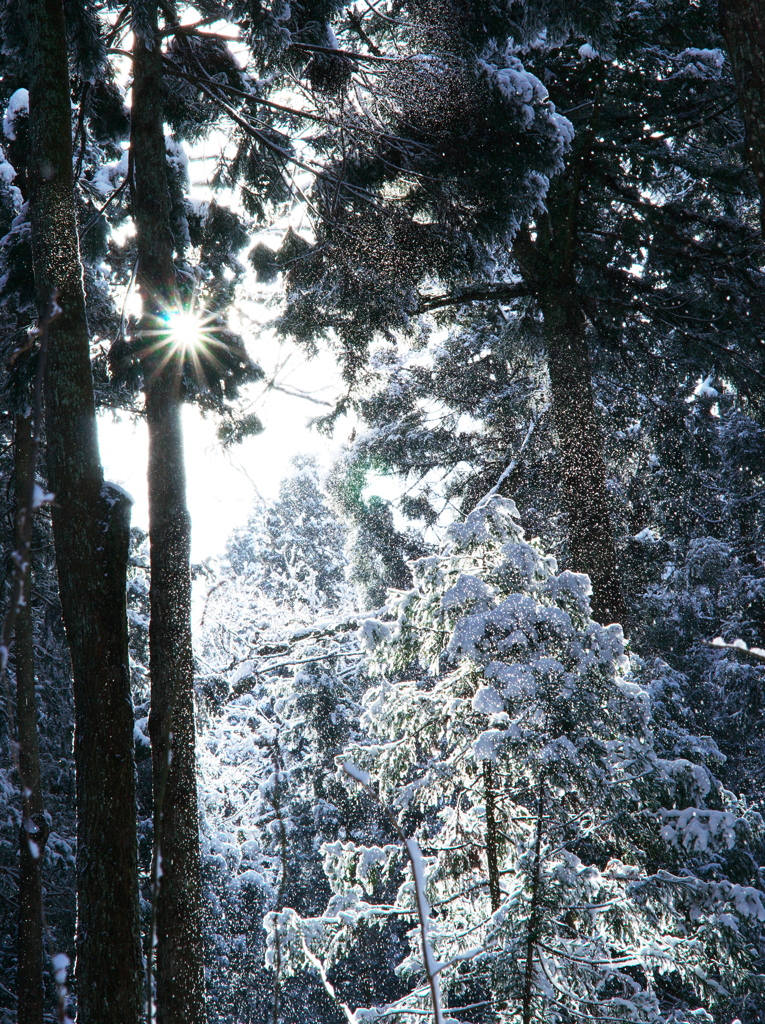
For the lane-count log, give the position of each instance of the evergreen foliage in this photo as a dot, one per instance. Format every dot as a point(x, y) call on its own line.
point(279, 695)
point(655, 207)
point(698, 565)
point(510, 212)
point(446, 148)
point(581, 859)
point(292, 550)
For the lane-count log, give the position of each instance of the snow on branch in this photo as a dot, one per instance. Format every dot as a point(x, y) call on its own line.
point(739, 646)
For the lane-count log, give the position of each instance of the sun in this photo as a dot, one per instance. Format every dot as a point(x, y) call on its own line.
point(185, 336)
point(186, 331)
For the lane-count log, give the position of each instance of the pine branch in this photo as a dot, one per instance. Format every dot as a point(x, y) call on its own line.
point(206, 84)
point(354, 19)
point(100, 212)
point(351, 54)
point(293, 393)
point(171, 68)
point(738, 647)
point(493, 293)
point(177, 30)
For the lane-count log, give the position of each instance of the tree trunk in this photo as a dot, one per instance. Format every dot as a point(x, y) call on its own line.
point(534, 915)
point(492, 844)
point(33, 834)
point(585, 494)
point(180, 997)
point(743, 26)
point(180, 965)
point(91, 527)
point(548, 261)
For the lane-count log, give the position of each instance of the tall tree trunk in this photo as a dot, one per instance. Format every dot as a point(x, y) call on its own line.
point(33, 834)
point(585, 494)
point(91, 528)
point(180, 997)
point(548, 261)
point(743, 26)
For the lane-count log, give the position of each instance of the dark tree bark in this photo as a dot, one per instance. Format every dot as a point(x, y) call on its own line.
point(532, 936)
point(548, 265)
point(91, 527)
point(180, 996)
point(33, 834)
point(585, 494)
point(492, 843)
point(743, 26)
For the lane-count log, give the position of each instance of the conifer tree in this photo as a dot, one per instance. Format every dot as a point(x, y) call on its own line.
point(535, 250)
point(293, 548)
point(696, 564)
point(652, 107)
point(90, 523)
point(743, 25)
point(568, 833)
point(280, 697)
point(179, 953)
point(34, 827)
point(470, 168)
point(16, 316)
point(173, 370)
point(39, 811)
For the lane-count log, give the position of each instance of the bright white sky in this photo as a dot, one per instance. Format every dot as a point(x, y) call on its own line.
point(224, 485)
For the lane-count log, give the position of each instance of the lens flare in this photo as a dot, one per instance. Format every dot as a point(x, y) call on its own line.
point(186, 331)
point(182, 334)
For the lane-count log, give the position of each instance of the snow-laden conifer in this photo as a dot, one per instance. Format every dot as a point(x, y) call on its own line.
point(580, 864)
point(279, 698)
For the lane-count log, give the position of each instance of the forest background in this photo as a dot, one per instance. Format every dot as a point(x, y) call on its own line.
point(490, 751)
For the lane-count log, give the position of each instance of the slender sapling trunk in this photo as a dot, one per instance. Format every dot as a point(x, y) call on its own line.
point(33, 833)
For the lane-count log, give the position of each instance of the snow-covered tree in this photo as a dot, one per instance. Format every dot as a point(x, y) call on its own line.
point(293, 548)
point(696, 560)
point(581, 859)
point(618, 254)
